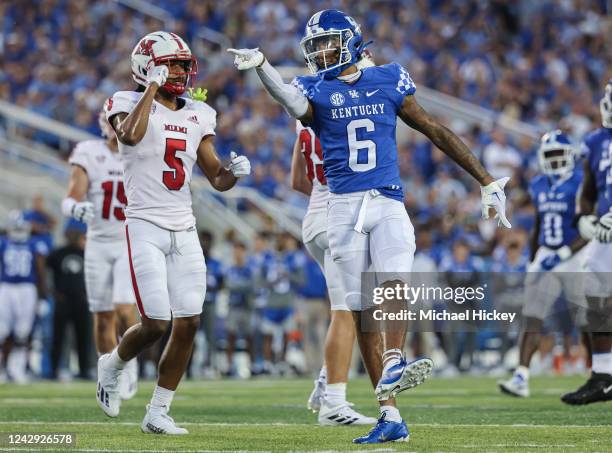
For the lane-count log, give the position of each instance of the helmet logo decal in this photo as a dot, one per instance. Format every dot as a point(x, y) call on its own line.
point(146, 47)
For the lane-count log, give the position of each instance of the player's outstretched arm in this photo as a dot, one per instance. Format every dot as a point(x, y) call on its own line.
point(492, 191)
point(221, 178)
point(299, 179)
point(287, 95)
point(416, 117)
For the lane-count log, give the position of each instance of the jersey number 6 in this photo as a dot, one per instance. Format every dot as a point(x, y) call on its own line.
point(355, 145)
point(175, 178)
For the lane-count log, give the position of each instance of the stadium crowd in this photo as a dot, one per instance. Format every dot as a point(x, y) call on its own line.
point(540, 62)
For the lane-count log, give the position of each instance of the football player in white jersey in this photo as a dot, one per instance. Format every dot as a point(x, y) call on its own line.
point(161, 135)
point(96, 196)
point(329, 393)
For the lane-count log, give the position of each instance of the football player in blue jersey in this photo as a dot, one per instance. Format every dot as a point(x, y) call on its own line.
point(354, 113)
point(556, 252)
point(595, 224)
point(22, 284)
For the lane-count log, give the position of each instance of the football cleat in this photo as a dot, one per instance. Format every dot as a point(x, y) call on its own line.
point(342, 415)
point(159, 422)
point(402, 376)
point(316, 396)
point(597, 388)
point(385, 431)
point(517, 385)
point(128, 380)
point(107, 393)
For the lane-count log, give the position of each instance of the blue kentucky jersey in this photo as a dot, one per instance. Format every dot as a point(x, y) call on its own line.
point(355, 123)
point(596, 149)
point(18, 259)
point(555, 202)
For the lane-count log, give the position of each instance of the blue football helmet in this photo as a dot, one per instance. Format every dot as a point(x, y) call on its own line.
point(333, 42)
point(17, 227)
point(556, 154)
point(605, 106)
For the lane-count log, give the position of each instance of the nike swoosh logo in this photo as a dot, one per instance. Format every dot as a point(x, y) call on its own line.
point(368, 94)
point(607, 389)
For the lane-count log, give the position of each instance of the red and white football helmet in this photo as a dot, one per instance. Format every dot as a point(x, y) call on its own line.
point(158, 48)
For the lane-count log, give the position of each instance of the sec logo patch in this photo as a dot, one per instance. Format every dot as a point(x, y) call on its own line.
point(337, 99)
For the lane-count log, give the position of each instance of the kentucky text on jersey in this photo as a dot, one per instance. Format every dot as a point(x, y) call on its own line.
point(358, 110)
point(356, 126)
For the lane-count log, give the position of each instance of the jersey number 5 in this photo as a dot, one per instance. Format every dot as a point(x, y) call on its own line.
point(175, 178)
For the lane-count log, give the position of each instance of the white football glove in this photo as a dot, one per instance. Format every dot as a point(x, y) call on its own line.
point(493, 196)
point(603, 230)
point(83, 211)
point(157, 74)
point(239, 165)
point(247, 58)
point(587, 225)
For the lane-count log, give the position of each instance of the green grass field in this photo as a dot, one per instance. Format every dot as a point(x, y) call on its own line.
point(444, 415)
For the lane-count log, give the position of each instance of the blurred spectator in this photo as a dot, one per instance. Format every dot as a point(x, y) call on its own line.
point(208, 319)
point(66, 264)
point(281, 275)
point(240, 283)
point(41, 220)
point(313, 313)
point(499, 157)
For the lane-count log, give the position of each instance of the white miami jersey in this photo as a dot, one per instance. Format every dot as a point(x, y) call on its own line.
point(315, 220)
point(106, 191)
point(313, 153)
point(158, 170)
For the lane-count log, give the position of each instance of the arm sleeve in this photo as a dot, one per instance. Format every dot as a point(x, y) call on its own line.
point(287, 95)
point(79, 157)
point(121, 102)
point(404, 86)
point(209, 123)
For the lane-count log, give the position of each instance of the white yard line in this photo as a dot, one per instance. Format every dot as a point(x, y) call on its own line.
point(376, 450)
point(311, 425)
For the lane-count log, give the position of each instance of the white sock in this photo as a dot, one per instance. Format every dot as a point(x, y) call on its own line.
point(161, 400)
point(522, 371)
point(391, 357)
point(115, 361)
point(393, 414)
point(335, 394)
point(323, 375)
point(602, 362)
point(18, 361)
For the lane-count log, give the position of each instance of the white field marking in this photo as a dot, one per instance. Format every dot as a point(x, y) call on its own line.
point(142, 451)
point(310, 425)
point(512, 445)
point(375, 450)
